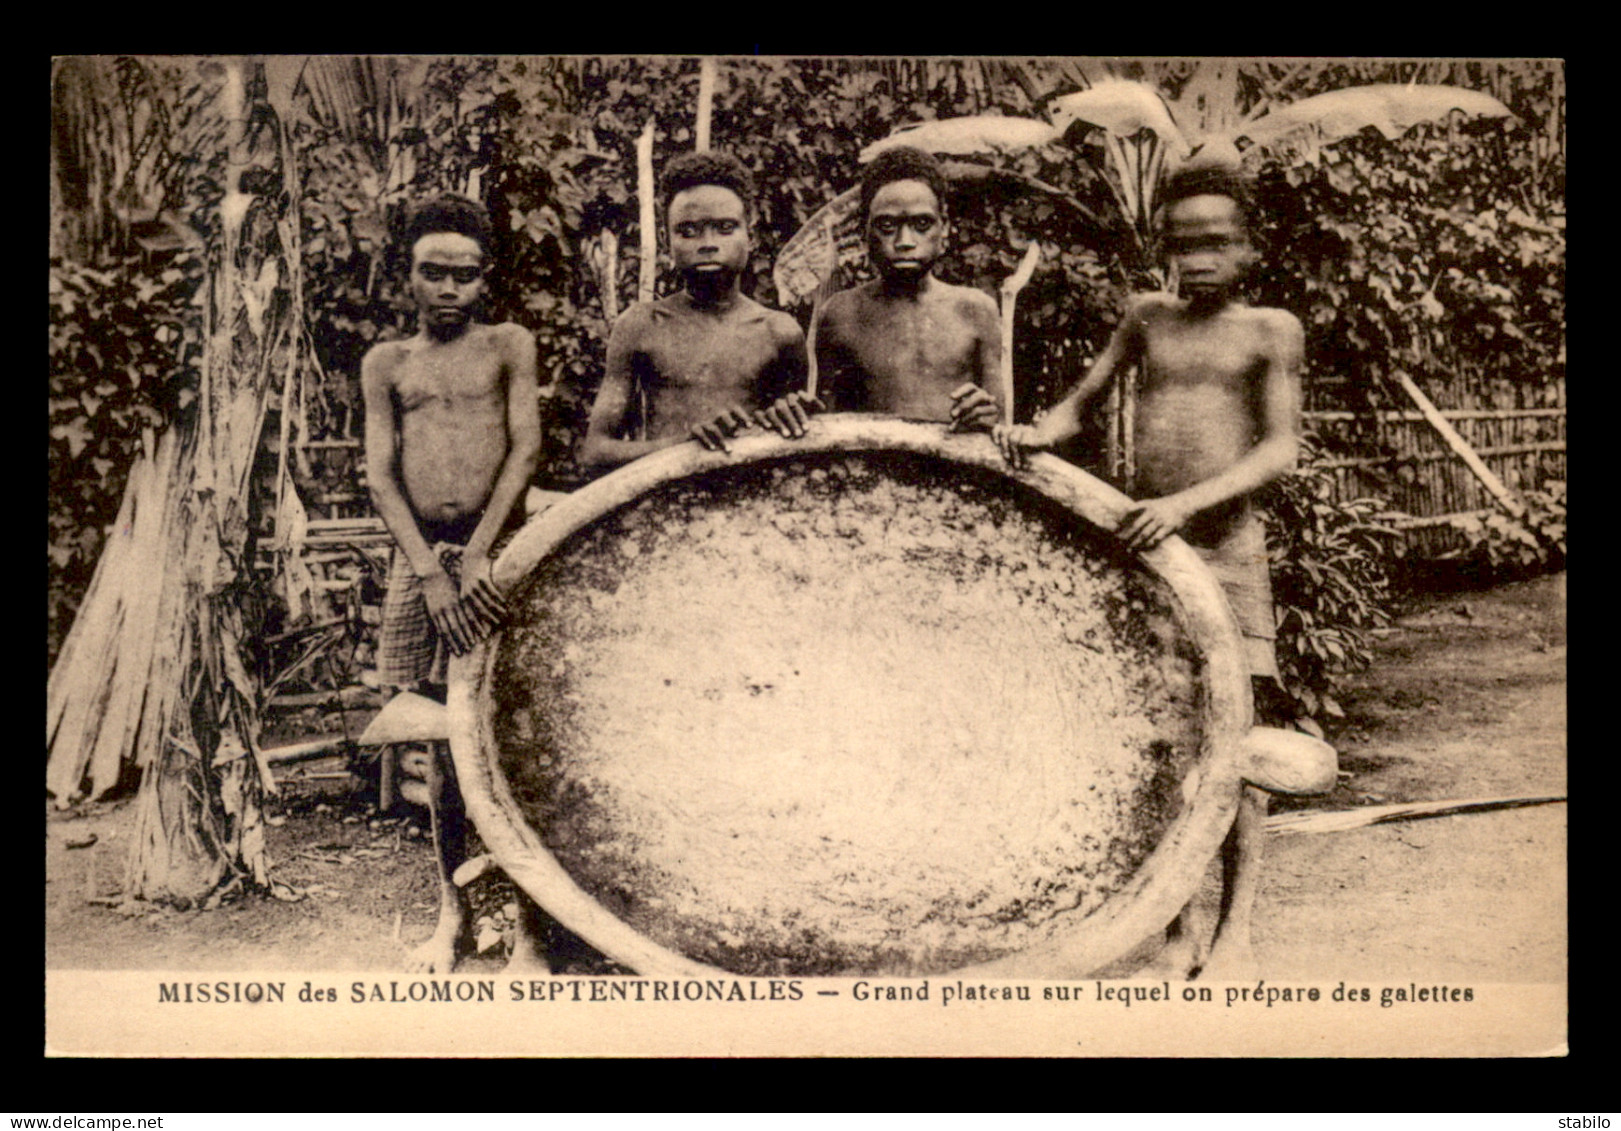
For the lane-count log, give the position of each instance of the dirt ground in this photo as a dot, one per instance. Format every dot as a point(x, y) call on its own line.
point(1465, 699)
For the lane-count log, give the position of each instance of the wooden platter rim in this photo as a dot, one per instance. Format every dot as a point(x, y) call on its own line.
point(1150, 899)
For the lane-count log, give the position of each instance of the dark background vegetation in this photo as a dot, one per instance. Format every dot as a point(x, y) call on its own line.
point(1439, 254)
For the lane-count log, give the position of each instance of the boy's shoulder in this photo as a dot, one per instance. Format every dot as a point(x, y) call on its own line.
point(505, 332)
point(970, 302)
point(503, 338)
point(780, 326)
point(648, 313)
point(639, 316)
point(384, 357)
point(783, 327)
point(840, 303)
point(1143, 306)
point(643, 317)
point(1276, 320)
point(1147, 304)
point(964, 299)
point(391, 352)
point(1271, 328)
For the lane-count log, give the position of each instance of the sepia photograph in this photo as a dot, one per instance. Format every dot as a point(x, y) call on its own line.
point(806, 556)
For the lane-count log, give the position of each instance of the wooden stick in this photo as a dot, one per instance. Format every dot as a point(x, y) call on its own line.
point(1343, 820)
point(1010, 295)
point(308, 751)
point(1430, 457)
point(608, 246)
point(818, 300)
point(648, 222)
point(706, 100)
point(284, 429)
point(339, 525)
point(1113, 458)
point(1456, 442)
point(1450, 414)
point(346, 696)
point(1127, 383)
point(1419, 523)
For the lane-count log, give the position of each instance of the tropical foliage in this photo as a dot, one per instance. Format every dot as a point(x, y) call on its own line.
point(1503, 545)
point(1330, 583)
point(1435, 247)
point(124, 346)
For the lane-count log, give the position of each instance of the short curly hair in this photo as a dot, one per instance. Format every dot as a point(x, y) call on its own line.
point(449, 214)
point(902, 163)
point(707, 167)
point(1211, 180)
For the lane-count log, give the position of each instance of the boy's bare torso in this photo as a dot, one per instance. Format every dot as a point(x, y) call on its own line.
point(905, 356)
point(1201, 404)
point(690, 370)
point(695, 362)
point(1200, 396)
point(450, 410)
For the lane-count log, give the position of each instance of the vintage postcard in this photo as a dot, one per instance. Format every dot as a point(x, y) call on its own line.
point(779, 556)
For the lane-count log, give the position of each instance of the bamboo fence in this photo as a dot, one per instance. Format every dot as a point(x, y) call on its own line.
point(1398, 455)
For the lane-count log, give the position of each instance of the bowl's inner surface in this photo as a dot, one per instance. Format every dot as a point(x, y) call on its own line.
point(871, 713)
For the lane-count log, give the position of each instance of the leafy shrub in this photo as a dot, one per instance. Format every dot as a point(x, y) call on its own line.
point(1440, 254)
point(124, 344)
point(1330, 583)
point(1507, 546)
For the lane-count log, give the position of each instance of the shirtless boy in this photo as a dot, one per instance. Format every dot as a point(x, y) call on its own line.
point(1218, 417)
point(907, 343)
point(708, 361)
point(452, 439)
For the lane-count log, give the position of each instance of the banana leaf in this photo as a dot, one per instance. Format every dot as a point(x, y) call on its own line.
point(1390, 108)
point(1122, 108)
point(967, 173)
point(988, 133)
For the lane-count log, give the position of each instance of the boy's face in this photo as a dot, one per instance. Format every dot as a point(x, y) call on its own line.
point(447, 278)
point(709, 234)
point(1206, 240)
point(906, 229)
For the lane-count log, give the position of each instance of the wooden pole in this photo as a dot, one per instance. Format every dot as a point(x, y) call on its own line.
point(308, 751)
point(608, 249)
point(1010, 295)
point(1458, 444)
point(1113, 457)
point(818, 300)
point(648, 223)
point(1344, 820)
point(706, 100)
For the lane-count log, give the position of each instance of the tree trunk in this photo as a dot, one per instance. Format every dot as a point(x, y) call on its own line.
point(154, 674)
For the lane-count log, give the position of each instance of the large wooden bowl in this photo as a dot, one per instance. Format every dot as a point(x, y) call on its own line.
point(864, 703)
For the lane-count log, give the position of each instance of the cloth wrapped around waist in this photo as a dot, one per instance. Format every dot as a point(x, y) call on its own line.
point(409, 648)
point(1235, 551)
